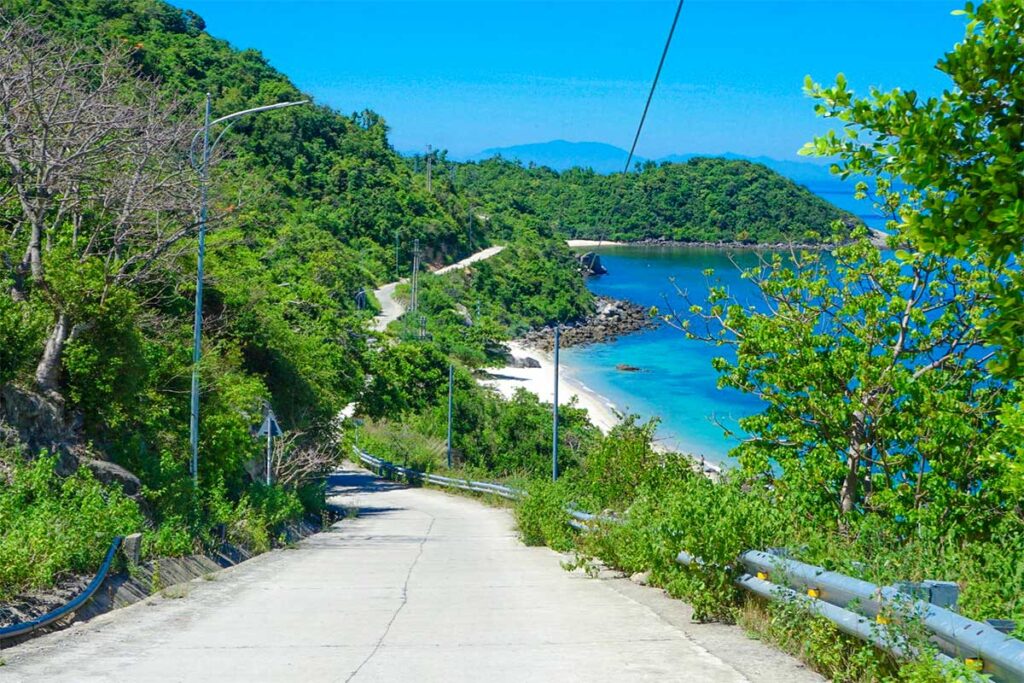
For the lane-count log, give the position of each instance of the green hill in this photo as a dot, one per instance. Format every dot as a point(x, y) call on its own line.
point(702, 200)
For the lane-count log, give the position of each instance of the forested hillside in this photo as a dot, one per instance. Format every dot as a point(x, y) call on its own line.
point(99, 210)
point(702, 200)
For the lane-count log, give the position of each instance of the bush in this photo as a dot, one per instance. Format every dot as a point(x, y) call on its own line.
point(50, 526)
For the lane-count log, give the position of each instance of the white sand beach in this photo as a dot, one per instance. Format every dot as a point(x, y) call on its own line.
point(602, 412)
point(594, 243)
point(541, 382)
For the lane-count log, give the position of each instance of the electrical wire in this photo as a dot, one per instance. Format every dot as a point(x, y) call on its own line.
point(654, 84)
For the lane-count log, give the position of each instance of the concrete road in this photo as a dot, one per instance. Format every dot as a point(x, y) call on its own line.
point(391, 309)
point(421, 586)
point(478, 256)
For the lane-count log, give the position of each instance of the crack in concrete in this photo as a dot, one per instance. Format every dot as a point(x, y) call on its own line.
point(401, 606)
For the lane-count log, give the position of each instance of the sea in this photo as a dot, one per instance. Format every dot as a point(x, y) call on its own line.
point(675, 382)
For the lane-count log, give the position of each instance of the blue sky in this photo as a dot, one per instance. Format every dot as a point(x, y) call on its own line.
point(468, 75)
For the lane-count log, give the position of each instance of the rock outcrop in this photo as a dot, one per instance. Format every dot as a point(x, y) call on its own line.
point(590, 264)
point(612, 319)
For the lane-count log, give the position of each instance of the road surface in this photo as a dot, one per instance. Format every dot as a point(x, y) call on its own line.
point(391, 309)
point(421, 586)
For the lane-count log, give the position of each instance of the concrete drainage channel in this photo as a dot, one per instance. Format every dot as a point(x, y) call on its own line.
point(106, 591)
point(858, 608)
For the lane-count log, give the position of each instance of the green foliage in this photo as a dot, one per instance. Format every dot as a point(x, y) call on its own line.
point(872, 371)
point(667, 506)
point(541, 518)
point(959, 152)
point(534, 281)
point(703, 200)
point(50, 525)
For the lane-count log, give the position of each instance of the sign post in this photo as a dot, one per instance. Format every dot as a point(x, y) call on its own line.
point(270, 429)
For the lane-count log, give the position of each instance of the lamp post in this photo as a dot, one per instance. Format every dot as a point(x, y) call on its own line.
point(554, 416)
point(451, 384)
point(203, 167)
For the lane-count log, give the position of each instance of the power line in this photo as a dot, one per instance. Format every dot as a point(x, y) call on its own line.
point(650, 95)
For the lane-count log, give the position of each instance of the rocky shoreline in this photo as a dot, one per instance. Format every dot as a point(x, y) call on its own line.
point(611, 319)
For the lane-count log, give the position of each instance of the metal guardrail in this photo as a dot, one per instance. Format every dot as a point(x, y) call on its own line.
point(70, 608)
point(835, 596)
point(507, 492)
point(829, 594)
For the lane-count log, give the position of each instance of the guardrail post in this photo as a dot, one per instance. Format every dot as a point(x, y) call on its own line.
point(131, 549)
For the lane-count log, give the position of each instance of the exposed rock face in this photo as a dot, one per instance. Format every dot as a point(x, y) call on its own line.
point(32, 419)
point(38, 422)
point(113, 474)
point(590, 264)
point(612, 319)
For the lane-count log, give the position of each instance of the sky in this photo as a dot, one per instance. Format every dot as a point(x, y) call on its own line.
point(468, 75)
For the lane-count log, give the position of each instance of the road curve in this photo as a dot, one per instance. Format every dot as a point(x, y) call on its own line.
point(391, 309)
point(421, 586)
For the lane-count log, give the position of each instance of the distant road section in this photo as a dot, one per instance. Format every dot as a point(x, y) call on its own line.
point(392, 309)
point(420, 586)
point(478, 256)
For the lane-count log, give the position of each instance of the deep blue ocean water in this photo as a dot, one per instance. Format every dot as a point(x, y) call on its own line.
point(677, 383)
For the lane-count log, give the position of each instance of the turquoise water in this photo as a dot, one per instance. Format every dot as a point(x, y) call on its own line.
point(677, 383)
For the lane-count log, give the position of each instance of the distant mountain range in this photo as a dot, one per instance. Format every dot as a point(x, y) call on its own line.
point(604, 158)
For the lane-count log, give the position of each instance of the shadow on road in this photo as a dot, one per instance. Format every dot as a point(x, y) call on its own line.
point(351, 481)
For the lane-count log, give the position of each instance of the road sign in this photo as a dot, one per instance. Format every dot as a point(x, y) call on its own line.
point(269, 426)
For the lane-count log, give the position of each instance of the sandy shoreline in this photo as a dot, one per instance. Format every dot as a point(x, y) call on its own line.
point(595, 243)
point(541, 382)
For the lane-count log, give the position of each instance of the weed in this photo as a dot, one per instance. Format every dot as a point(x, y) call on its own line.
point(177, 591)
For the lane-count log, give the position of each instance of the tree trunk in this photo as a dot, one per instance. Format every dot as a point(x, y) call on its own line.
point(48, 370)
point(35, 252)
point(848, 493)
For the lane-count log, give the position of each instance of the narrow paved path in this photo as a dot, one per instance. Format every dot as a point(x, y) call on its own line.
point(421, 586)
point(392, 309)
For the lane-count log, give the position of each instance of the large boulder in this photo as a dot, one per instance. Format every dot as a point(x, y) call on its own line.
point(113, 474)
point(590, 264)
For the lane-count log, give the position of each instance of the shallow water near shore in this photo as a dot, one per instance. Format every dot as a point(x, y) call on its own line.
point(675, 381)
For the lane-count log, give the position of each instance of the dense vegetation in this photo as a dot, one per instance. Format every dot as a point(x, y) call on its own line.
point(97, 266)
point(703, 200)
point(889, 446)
point(534, 281)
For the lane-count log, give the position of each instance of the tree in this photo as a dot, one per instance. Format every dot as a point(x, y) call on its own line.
point(94, 161)
point(961, 153)
point(872, 368)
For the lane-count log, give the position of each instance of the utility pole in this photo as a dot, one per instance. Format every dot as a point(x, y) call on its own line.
point(471, 226)
point(423, 327)
point(429, 164)
point(197, 326)
point(451, 384)
point(414, 286)
point(554, 421)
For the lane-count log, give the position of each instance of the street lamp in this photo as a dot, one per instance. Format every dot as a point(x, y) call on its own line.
point(203, 168)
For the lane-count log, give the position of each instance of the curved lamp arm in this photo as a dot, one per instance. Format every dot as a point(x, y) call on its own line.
point(231, 117)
